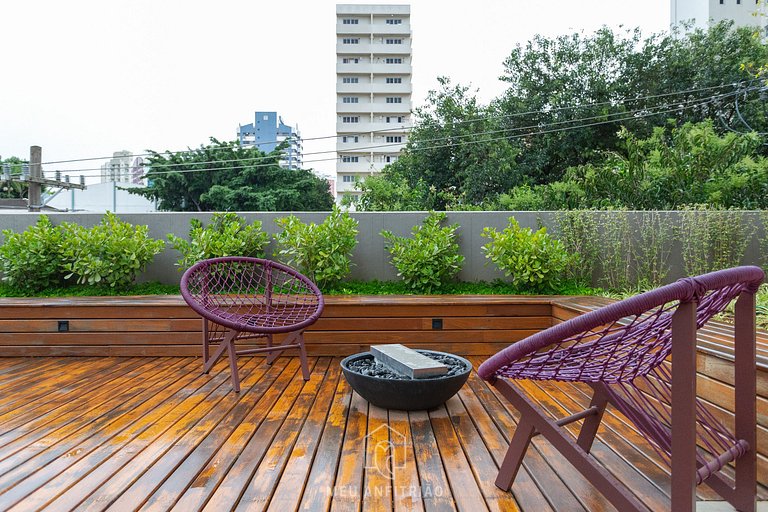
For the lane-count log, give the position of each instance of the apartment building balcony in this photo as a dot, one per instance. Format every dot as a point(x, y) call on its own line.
point(367, 29)
point(355, 108)
point(368, 87)
point(363, 48)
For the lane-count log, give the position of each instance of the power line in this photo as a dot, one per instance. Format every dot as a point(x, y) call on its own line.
point(673, 106)
point(407, 129)
point(528, 134)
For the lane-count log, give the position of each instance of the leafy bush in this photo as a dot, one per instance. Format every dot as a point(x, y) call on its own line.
point(319, 251)
point(111, 253)
point(31, 260)
point(226, 235)
point(428, 260)
point(533, 260)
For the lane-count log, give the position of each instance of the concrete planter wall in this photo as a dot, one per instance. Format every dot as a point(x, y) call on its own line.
point(370, 259)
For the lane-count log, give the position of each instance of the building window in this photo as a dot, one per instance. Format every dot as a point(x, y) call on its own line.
point(349, 138)
point(351, 40)
point(394, 80)
point(350, 21)
point(394, 119)
point(390, 159)
point(394, 99)
point(393, 60)
point(350, 60)
point(394, 22)
point(393, 41)
point(394, 138)
point(352, 159)
point(350, 80)
point(349, 99)
point(349, 179)
point(350, 119)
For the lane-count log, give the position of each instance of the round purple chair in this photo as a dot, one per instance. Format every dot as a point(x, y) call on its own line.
point(241, 298)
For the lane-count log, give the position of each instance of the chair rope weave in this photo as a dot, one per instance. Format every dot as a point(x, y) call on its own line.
point(625, 350)
point(245, 298)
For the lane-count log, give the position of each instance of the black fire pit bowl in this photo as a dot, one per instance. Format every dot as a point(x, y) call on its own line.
point(406, 394)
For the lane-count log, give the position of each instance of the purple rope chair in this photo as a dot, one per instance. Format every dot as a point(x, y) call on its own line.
point(243, 298)
point(624, 352)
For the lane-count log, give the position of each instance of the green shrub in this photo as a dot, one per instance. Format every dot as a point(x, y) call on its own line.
point(31, 260)
point(226, 235)
point(111, 253)
point(533, 260)
point(319, 251)
point(428, 260)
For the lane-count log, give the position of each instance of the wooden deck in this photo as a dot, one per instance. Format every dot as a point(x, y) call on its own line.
point(154, 434)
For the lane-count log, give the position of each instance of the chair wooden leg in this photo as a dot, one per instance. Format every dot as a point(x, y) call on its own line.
point(233, 365)
point(592, 423)
point(515, 454)
point(303, 356)
point(205, 341)
point(746, 407)
point(563, 442)
point(684, 408)
point(271, 356)
point(228, 344)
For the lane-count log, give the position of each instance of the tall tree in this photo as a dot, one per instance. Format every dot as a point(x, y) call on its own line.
point(225, 176)
point(573, 92)
point(455, 156)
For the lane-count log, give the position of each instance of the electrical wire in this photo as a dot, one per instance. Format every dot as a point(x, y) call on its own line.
point(401, 129)
point(674, 106)
point(540, 132)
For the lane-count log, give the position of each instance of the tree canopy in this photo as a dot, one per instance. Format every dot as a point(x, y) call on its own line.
point(227, 177)
point(13, 189)
point(574, 101)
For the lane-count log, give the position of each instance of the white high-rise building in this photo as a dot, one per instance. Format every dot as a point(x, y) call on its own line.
point(744, 13)
point(373, 89)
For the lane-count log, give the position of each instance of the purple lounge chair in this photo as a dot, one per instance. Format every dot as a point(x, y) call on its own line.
point(244, 298)
point(640, 355)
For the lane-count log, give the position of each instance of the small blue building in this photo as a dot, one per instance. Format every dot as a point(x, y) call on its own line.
point(268, 131)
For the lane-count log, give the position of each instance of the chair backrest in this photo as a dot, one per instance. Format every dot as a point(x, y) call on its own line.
point(235, 290)
point(626, 346)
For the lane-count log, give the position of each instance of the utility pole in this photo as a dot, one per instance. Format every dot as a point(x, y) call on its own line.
point(35, 174)
point(36, 179)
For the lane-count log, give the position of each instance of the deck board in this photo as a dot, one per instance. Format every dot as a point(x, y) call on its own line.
point(153, 433)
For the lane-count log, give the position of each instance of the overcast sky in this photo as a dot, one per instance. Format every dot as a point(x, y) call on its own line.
point(85, 78)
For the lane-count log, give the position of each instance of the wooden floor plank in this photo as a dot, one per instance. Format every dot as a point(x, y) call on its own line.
point(193, 428)
point(525, 491)
point(405, 476)
point(155, 434)
point(79, 415)
point(227, 494)
point(207, 479)
point(71, 389)
point(183, 462)
point(294, 477)
point(59, 393)
point(347, 491)
point(549, 479)
point(466, 492)
point(167, 428)
point(320, 486)
point(92, 450)
point(481, 463)
point(257, 494)
point(377, 483)
point(435, 489)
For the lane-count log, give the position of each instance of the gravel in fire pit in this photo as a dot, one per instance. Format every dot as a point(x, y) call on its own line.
point(370, 367)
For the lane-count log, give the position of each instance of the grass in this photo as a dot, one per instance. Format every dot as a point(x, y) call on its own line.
point(151, 288)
